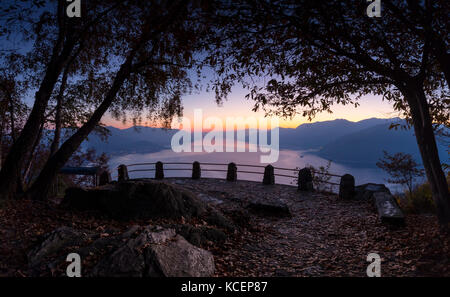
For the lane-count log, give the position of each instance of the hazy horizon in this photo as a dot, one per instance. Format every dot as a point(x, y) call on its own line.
point(125, 127)
point(370, 106)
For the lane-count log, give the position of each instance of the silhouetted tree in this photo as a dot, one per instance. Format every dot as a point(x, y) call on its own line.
point(318, 53)
point(55, 37)
point(12, 112)
point(130, 56)
point(402, 168)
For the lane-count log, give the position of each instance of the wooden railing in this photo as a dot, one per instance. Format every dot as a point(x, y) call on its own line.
point(304, 176)
point(99, 174)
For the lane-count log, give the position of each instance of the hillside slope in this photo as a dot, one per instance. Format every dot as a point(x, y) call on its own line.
point(318, 134)
point(365, 147)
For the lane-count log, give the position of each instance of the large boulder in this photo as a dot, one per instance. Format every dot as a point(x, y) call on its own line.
point(145, 199)
point(139, 252)
point(156, 252)
point(136, 199)
point(178, 258)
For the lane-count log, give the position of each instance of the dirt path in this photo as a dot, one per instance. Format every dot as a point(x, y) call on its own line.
point(325, 236)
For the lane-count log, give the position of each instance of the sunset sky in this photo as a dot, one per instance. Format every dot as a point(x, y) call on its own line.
point(237, 105)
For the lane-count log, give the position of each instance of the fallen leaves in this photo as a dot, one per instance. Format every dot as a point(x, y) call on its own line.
point(325, 236)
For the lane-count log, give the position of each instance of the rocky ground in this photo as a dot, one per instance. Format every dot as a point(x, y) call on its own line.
point(278, 232)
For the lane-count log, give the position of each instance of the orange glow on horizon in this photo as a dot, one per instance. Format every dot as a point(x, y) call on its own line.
point(283, 123)
point(370, 107)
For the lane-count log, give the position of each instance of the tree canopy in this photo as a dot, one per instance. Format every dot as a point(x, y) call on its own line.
point(314, 54)
point(129, 56)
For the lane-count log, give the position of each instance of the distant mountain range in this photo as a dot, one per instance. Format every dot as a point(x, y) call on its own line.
point(319, 134)
point(364, 147)
point(134, 140)
point(356, 144)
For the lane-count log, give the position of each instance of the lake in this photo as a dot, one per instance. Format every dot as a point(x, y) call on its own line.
point(287, 159)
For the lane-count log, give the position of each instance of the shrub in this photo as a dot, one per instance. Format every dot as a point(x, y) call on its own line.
point(420, 200)
point(321, 177)
point(401, 168)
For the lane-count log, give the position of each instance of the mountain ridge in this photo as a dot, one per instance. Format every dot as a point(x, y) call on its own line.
point(357, 144)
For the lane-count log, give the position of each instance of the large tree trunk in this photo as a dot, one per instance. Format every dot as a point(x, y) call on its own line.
point(426, 141)
point(19, 188)
point(41, 187)
point(3, 105)
point(1, 144)
point(11, 170)
point(441, 53)
point(1, 141)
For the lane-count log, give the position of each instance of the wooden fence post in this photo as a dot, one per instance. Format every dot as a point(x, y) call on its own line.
point(105, 178)
point(269, 175)
point(122, 173)
point(159, 170)
point(232, 172)
point(305, 180)
point(196, 171)
point(347, 187)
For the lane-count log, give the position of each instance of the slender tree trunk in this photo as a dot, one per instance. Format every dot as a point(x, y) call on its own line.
point(32, 155)
point(12, 118)
point(11, 170)
point(57, 134)
point(426, 141)
point(59, 102)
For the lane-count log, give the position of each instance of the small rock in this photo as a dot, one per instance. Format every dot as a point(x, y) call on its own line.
point(388, 209)
point(55, 241)
point(365, 192)
point(270, 208)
